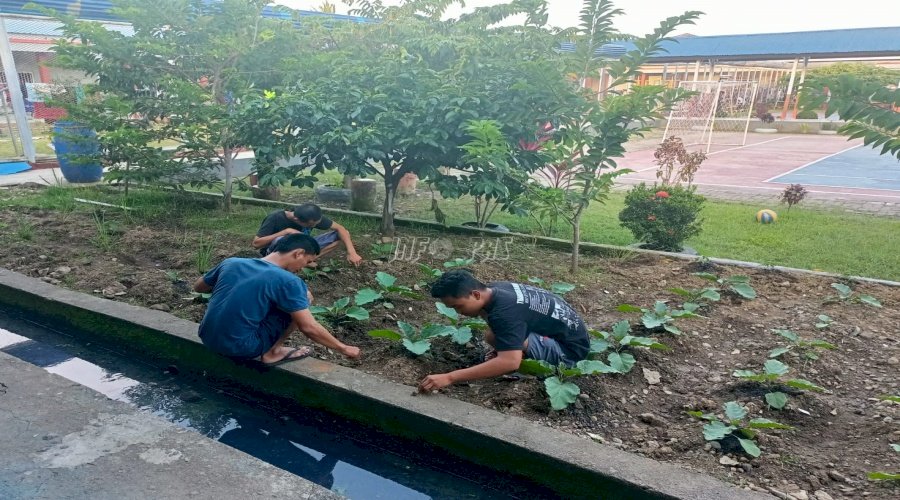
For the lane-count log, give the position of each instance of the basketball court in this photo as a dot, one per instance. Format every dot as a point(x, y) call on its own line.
point(830, 167)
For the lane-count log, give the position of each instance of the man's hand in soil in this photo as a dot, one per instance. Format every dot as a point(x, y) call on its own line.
point(354, 258)
point(350, 351)
point(435, 382)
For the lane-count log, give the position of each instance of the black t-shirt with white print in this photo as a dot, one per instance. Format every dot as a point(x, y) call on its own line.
point(516, 309)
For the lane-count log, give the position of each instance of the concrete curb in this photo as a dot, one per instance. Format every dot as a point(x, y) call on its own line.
point(561, 244)
point(573, 466)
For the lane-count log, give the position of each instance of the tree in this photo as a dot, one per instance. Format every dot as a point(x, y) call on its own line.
point(181, 74)
point(592, 134)
point(395, 97)
point(861, 71)
point(867, 106)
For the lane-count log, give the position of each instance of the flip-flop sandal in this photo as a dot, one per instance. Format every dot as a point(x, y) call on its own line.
point(306, 351)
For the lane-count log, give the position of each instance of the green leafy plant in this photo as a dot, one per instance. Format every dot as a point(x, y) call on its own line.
point(561, 390)
point(698, 295)
point(429, 272)
point(771, 378)
point(203, 257)
point(846, 294)
point(383, 251)
point(173, 276)
point(662, 217)
point(661, 315)
point(823, 321)
point(807, 348)
point(560, 288)
point(341, 311)
point(736, 426)
point(615, 342)
point(885, 397)
point(201, 298)
point(388, 285)
point(737, 284)
point(103, 239)
point(462, 326)
point(886, 476)
point(415, 340)
point(451, 264)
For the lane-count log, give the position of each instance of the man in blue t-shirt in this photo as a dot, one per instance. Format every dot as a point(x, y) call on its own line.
point(257, 303)
point(523, 322)
point(303, 219)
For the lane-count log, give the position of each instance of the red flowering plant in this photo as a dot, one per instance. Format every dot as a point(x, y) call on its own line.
point(662, 218)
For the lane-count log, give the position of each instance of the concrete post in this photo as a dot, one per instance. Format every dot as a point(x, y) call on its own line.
point(15, 93)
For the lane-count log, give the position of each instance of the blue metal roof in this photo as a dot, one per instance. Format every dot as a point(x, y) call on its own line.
point(860, 42)
point(99, 10)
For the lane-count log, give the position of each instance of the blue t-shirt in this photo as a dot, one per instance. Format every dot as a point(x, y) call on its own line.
point(250, 298)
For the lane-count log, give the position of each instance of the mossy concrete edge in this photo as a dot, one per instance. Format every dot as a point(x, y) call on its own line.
point(575, 467)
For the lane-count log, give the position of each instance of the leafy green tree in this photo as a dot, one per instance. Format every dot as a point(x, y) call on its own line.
point(395, 97)
point(182, 72)
point(860, 71)
point(868, 107)
point(592, 133)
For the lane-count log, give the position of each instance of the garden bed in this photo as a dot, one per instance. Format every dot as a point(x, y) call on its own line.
point(839, 436)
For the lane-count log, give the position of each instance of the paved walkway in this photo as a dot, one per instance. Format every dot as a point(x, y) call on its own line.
point(59, 440)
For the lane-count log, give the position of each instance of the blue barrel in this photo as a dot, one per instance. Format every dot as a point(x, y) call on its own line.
point(74, 144)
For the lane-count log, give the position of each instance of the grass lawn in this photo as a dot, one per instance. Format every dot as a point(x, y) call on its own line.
point(837, 242)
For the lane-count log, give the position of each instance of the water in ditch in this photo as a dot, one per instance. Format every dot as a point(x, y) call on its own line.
point(351, 460)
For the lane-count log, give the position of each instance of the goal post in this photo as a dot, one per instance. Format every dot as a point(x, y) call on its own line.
point(717, 113)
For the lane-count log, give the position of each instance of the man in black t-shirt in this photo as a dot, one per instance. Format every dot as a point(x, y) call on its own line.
point(303, 219)
point(523, 322)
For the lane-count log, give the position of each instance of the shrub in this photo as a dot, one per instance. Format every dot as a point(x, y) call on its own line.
point(793, 194)
point(662, 218)
point(807, 114)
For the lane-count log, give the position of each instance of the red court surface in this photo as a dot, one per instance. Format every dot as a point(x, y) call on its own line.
point(755, 167)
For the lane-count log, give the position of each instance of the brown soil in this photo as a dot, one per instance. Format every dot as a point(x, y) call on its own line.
point(839, 435)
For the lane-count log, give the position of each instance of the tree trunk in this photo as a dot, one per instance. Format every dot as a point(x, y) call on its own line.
point(387, 214)
point(576, 241)
point(362, 195)
point(128, 176)
point(228, 166)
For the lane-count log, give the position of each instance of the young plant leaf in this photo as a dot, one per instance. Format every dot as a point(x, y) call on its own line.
point(744, 290)
point(710, 294)
point(821, 344)
point(357, 313)
point(734, 411)
point(367, 296)
point(701, 415)
point(385, 279)
point(681, 291)
point(561, 288)
point(621, 329)
point(621, 362)
point(643, 342)
point(707, 276)
point(660, 308)
point(764, 423)
point(778, 351)
point(430, 331)
point(743, 373)
point(406, 329)
point(535, 367)
point(562, 394)
point(842, 289)
point(447, 311)
point(474, 323)
point(869, 300)
point(895, 447)
point(341, 303)
point(895, 399)
point(651, 320)
point(883, 476)
point(775, 367)
point(674, 330)
point(599, 346)
point(716, 430)
point(418, 347)
point(318, 310)
point(537, 281)
point(787, 334)
point(750, 447)
point(461, 335)
point(385, 334)
point(776, 400)
point(591, 367)
point(628, 308)
point(799, 383)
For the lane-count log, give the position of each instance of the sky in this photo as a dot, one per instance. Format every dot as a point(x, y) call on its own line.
point(721, 17)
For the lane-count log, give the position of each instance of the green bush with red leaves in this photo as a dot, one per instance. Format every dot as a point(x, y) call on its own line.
point(662, 217)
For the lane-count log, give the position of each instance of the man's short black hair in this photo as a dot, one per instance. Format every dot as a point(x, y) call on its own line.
point(456, 283)
point(308, 212)
point(297, 241)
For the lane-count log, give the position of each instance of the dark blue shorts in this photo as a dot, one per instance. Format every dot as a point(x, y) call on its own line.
point(546, 349)
point(270, 330)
